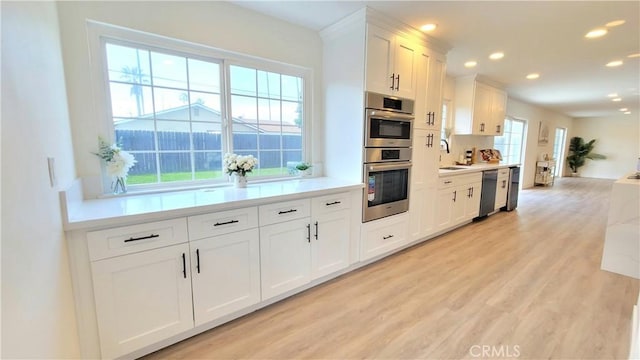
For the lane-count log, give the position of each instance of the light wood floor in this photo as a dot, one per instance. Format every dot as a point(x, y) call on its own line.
point(526, 283)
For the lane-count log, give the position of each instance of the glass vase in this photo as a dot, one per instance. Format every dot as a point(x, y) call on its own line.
point(240, 181)
point(119, 185)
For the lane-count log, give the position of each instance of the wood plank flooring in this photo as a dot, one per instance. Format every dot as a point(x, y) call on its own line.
point(525, 283)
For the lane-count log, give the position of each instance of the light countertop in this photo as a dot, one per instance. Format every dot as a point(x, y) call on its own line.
point(467, 169)
point(131, 208)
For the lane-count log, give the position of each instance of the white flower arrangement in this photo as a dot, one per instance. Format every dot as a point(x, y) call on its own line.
point(240, 164)
point(118, 163)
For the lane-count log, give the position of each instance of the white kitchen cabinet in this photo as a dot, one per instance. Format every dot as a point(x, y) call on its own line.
point(391, 63)
point(330, 243)
point(502, 189)
point(479, 108)
point(225, 274)
point(458, 200)
point(142, 298)
point(304, 240)
point(384, 235)
point(424, 176)
point(430, 83)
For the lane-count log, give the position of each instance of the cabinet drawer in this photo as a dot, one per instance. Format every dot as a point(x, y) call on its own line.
point(284, 211)
point(130, 239)
point(223, 222)
point(503, 172)
point(382, 236)
point(446, 182)
point(330, 203)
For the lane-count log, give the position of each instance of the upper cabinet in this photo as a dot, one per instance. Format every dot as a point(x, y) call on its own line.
point(391, 64)
point(479, 108)
point(430, 83)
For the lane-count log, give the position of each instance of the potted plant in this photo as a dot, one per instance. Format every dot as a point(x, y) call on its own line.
point(579, 152)
point(304, 168)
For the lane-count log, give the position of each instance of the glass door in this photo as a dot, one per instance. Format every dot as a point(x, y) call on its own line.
point(558, 150)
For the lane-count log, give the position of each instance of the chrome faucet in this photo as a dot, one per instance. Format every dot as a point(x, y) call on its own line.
point(446, 143)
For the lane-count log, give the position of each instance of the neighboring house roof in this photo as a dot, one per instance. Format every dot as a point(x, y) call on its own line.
point(204, 119)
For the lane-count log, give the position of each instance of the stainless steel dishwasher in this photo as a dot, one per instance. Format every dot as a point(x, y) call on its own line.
point(488, 197)
point(514, 185)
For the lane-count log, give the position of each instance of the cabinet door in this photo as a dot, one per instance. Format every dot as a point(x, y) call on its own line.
point(437, 73)
point(379, 61)
point(405, 67)
point(142, 298)
point(482, 103)
point(285, 256)
point(330, 242)
point(226, 274)
point(502, 190)
point(445, 207)
point(423, 117)
point(460, 199)
point(424, 176)
point(472, 195)
point(498, 112)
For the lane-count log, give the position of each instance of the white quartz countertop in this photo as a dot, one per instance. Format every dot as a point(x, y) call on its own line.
point(473, 168)
point(121, 210)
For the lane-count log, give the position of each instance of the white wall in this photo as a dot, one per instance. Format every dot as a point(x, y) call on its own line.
point(617, 137)
point(214, 23)
point(535, 115)
point(38, 318)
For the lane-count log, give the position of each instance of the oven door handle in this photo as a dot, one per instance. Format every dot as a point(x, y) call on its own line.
point(389, 115)
point(399, 165)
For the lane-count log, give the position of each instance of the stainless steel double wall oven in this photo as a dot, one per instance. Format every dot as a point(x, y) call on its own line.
point(387, 155)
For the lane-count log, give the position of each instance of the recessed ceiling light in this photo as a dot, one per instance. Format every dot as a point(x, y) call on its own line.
point(614, 63)
point(623, 109)
point(470, 64)
point(496, 56)
point(612, 95)
point(616, 99)
point(596, 33)
point(627, 112)
point(533, 76)
point(615, 23)
point(428, 27)
point(634, 55)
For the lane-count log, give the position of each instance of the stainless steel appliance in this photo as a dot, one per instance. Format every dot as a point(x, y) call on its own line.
point(388, 121)
point(488, 197)
point(387, 182)
point(387, 155)
point(514, 188)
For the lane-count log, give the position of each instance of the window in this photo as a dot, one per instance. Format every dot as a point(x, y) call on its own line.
point(175, 113)
point(446, 119)
point(511, 141)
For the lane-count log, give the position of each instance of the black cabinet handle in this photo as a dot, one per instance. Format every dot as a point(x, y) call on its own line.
point(393, 81)
point(498, 129)
point(198, 260)
point(316, 234)
point(184, 265)
point(226, 222)
point(308, 233)
point(333, 203)
point(455, 195)
point(398, 84)
point(387, 237)
point(481, 127)
point(448, 182)
point(504, 184)
point(142, 238)
point(287, 211)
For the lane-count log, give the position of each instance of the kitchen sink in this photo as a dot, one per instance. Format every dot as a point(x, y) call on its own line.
point(452, 168)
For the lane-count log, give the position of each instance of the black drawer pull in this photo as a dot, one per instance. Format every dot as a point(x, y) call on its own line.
point(448, 182)
point(287, 211)
point(142, 238)
point(387, 237)
point(333, 203)
point(184, 265)
point(226, 222)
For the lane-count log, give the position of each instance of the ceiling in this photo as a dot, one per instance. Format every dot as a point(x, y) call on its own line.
point(546, 37)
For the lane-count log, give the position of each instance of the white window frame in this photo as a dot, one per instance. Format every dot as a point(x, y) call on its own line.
point(99, 33)
point(524, 137)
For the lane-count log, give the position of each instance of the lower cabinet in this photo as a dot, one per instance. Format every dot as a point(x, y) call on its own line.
point(142, 298)
point(458, 200)
point(225, 274)
point(502, 189)
point(384, 235)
